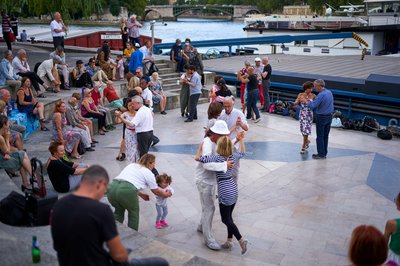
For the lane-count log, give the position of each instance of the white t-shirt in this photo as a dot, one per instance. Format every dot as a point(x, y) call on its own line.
point(231, 119)
point(147, 95)
point(54, 25)
point(205, 172)
point(143, 120)
point(139, 176)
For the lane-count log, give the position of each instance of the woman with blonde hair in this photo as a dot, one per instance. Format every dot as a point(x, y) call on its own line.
point(227, 187)
point(158, 92)
point(125, 190)
point(69, 138)
point(124, 32)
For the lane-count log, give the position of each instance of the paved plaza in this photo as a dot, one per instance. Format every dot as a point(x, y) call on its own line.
point(294, 210)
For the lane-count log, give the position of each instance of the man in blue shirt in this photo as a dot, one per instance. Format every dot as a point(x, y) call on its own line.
point(136, 59)
point(195, 91)
point(323, 109)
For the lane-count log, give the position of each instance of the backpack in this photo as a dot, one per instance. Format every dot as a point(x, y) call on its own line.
point(384, 134)
point(12, 210)
point(369, 124)
point(357, 124)
point(81, 148)
point(394, 130)
point(38, 177)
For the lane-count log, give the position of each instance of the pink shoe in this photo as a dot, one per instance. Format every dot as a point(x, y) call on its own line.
point(158, 225)
point(164, 223)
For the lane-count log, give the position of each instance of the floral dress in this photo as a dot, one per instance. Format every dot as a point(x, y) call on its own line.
point(132, 151)
point(70, 136)
point(306, 118)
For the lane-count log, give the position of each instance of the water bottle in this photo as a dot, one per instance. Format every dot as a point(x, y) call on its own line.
point(177, 82)
point(35, 250)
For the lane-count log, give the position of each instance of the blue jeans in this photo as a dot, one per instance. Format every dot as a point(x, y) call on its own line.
point(323, 124)
point(252, 98)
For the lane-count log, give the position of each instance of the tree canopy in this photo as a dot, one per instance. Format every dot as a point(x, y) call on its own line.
point(76, 9)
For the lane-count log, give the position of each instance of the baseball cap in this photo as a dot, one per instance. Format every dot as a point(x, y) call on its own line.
point(137, 45)
point(257, 59)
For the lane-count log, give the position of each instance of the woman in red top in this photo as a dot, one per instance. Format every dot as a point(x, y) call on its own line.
point(89, 109)
point(111, 95)
point(98, 101)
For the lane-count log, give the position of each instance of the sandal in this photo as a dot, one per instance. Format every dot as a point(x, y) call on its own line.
point(307, 145)
point(76, 156)
point(302, 151)
point(44, 129)
point(121, 157)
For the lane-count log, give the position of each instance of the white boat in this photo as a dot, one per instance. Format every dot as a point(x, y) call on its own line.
point(380, 28)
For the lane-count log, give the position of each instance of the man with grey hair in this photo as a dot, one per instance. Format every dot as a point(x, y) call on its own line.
point(233, 117)
point(258, 70)
point(134, 34)
point(58, 30)
point(6, 97)
point(22, 69)
point(323, 107)
point(266, 82)
point(47, 71)
point(7, 75)
point(143, 123)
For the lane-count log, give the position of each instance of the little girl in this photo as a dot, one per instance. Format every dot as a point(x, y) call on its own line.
point(120, 67)
point(163, 182)
point(227, 187)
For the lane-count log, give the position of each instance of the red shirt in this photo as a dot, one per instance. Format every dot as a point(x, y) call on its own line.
point(96, 97)
point(110, 94)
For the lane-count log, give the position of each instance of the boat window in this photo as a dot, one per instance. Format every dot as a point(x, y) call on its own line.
point(374, 8)
point(301, 42)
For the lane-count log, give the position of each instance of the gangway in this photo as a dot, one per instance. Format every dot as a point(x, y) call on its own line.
point(264, 40)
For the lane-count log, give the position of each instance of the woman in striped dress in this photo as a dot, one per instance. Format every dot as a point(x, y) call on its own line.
point(227, 187)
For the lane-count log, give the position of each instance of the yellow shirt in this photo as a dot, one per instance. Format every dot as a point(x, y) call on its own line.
point(128, 53)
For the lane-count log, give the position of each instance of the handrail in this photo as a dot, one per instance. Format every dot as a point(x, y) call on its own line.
point(257, 40)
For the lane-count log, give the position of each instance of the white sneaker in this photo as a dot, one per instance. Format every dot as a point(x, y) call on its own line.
point(257, 120)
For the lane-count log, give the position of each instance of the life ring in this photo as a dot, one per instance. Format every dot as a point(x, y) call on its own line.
point(393, 122)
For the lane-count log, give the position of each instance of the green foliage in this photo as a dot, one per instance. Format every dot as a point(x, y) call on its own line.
point(84, 8)
point(158, 2)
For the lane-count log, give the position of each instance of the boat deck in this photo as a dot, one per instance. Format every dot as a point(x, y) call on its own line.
point(340, 66)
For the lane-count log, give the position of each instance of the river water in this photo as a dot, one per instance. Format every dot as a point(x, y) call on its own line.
point(195, 29)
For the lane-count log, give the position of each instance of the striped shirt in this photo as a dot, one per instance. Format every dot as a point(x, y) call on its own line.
point(227, 187)
point(6, 23)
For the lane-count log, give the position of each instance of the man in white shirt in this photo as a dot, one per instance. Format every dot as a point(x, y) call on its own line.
point(58, 30)
point(22, 69)
point(206, 182)
point(258, 70)
point(148, 59)
point(147, 95)
point(233, 117)
point(47, 71)
point(143, 122)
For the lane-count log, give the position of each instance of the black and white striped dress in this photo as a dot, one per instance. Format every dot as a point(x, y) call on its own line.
point(227, 187)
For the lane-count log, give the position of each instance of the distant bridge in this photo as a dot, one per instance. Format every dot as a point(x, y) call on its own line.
point(171, 12)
